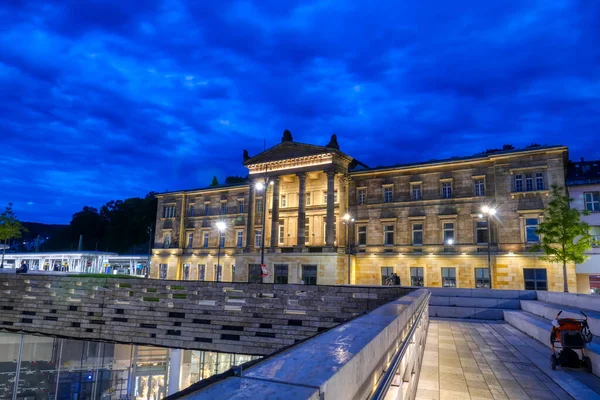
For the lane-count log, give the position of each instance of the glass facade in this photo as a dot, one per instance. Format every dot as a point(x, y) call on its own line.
point(52, 368)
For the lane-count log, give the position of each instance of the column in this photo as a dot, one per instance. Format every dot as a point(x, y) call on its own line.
point(300, 237)
point(275, 213)
point(330, 209)
point(174, 371)
point(250, 216)
point(342, 208)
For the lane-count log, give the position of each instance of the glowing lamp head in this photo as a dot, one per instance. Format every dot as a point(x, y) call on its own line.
point(450, 242)
point(271, 183)
point(346, 217)
point(480, 215)
point(221, 226)
point(492, 211)
point(259, 186)
point(485, 209)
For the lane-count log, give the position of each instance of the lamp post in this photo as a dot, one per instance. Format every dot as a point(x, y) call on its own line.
point(221, 228)
point(150, 232)
point(347, 219)
point(488, 211)
point(263, 186)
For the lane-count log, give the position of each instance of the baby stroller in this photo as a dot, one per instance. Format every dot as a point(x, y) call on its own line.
point(572, 334)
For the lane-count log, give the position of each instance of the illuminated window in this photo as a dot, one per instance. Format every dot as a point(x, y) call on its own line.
point(482, 278)
point(416, 276)
point(448, 277)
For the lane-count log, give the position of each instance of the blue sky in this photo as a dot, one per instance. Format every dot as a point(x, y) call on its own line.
point(104, 100)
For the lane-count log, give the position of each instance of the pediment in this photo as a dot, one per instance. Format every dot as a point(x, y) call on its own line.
point(291, 150)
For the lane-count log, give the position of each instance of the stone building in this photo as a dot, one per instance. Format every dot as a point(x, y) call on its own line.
point(423, 221)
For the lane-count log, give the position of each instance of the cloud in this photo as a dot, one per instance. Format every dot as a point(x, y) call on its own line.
point(106, 99)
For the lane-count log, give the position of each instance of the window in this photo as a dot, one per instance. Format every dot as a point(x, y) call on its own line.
point(416, 192)
point(259, 205)
point(207, 209)
point(241, 204)
point(205, 240)
point(169, 212)
point(324, 197)
point(361, 196)
point(281, 232)
point(190, 240)
point(386, 272)
point(539, 181)
point(162, 270)
point(309, 274)
point(167, 242)
point(191, 211)
point(388, 235)
point(531, 225)
point(518, 183)
point(283, 201)
point(446, 190)
point(482, 231)
point(362, 236)
point(281, 273)
point(417, 234)
point(308, 199)
point(416, 276)
point(258, 238)
point(201, 272)
point(448, 277)
point(335, 196)
point(218, 273)
point(448, 228)
point(306, 233)
point(535, 278)
point(479, 187)
point(592, 201)
point(222, 239)
point(254, 273)
point(223, 208)
point(388, 195)
point(334, 231)
point(528, 182)
point(240, 239)
point(482, 278)
point(232, 272)
point(186, 272)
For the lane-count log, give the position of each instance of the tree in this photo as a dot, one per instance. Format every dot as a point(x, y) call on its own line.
point(10, 228)
point(564, 238)
point(215, 181)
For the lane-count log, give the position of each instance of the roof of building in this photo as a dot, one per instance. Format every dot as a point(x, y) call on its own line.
point(583, 172)
point(479, 156)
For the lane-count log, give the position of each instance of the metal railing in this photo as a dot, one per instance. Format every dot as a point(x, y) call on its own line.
point(386, 379)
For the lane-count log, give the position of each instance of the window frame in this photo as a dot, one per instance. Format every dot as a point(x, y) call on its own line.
point(221, 236)
point(592, 202)
point(481, 280)
point(448, 278)
point(416, 192)
point(529, 182)
point(218, 273)
point(446, 190)
point(414, 230)
point(205, 239)
point(478, 228)
point(308, 199)
point(186, 272)
point(420, 276)
point(444, 230)
point(258, 238)
point(167, 240)
point(388, 269)
point(539, 178)
point(281, 234)
point(479, 187)
point(202, 272)
point(163, 271)
point(241, 206)
point(519, 183)
point(388, 194)
point(283, 201)
point(528, 226)
point(239, 241)
point(387, 233)
point(361, 230)
point(254, 273)
point(192, 210)
point(316, 277)
point(277, 278)
point(538, 284)
point(361, 196)
point(223, 207)
point(190, 240)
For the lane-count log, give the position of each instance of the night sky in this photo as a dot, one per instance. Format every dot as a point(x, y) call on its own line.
point(105, 100)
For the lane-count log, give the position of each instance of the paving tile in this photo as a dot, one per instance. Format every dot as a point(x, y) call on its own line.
point(482, 393)
point(453, 395)
point(423, 394)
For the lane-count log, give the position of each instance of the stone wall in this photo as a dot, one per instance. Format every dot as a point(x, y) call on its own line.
point(255, 319)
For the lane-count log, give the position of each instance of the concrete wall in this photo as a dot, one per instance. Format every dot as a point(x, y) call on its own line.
point(254, 319)
point(344, 363)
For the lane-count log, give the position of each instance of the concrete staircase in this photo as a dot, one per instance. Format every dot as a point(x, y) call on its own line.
point(484, 304)
point(535, 316)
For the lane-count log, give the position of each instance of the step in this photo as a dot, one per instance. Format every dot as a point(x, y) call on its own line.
point(539, 328)
point(465, 312)
point(484, 293)
point(576, 300)
point(479, 302)
point(549, 311)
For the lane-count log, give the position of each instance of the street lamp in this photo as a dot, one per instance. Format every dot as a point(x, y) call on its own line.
point(487, 212)
point(347, 219)
point(221, 226)
point(263, 186)
point(150, 232)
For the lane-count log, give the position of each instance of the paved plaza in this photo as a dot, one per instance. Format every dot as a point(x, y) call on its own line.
point(492, 360)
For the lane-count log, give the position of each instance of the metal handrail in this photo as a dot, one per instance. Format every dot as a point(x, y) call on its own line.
point(386, 380)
